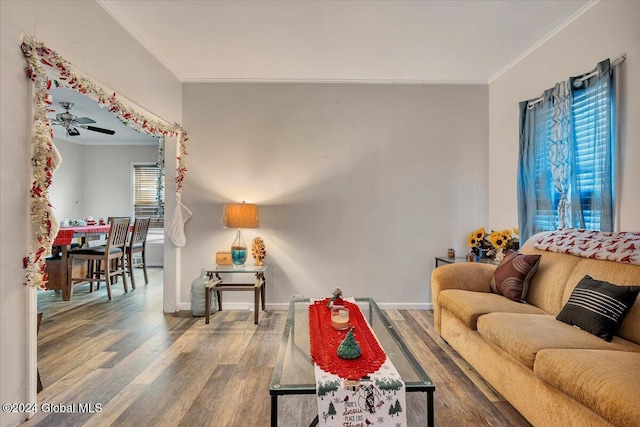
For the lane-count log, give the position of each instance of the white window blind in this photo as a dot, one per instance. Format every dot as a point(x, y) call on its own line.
point(591, 119)
point(591, 116)
point(148, 194)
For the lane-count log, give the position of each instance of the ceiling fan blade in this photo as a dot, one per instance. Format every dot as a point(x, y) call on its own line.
point(84, 120)
point(73, 132)
point(101, 130)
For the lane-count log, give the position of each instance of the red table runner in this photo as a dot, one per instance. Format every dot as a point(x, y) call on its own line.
point(325, 341)
point(65, 235)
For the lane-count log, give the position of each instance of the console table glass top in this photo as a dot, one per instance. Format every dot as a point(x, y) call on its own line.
point(247, 268)
point(294, 373)
point(444, 260)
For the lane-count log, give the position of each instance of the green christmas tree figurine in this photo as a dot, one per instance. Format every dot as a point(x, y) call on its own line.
point(349, 348)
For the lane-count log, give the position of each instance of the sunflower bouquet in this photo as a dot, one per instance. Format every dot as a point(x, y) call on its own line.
point(493, 244)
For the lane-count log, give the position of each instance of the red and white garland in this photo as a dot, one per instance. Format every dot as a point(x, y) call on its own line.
point(42, 62)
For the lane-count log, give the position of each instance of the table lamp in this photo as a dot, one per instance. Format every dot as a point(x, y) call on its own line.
point(240, 215)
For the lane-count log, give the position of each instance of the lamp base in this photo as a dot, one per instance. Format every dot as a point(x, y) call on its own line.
point(238, 255)
point(238, 250)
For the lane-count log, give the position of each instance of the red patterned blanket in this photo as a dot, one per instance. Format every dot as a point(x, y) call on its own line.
point(618, 246)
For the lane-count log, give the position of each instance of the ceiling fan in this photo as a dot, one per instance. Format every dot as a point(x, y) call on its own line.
point(71, 123)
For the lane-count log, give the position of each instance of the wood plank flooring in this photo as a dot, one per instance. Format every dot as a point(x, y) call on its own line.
point(146, 368)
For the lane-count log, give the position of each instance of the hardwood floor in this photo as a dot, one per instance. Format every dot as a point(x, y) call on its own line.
point(146, 368)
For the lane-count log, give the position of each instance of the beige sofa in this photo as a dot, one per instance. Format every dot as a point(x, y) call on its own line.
point(554, 374)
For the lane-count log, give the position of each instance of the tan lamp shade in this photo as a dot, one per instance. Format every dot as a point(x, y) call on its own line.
point(240, 215)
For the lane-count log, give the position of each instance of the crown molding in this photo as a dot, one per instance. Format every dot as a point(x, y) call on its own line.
point(544, 39)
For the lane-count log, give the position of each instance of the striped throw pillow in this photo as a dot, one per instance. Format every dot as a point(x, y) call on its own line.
point(598, 307)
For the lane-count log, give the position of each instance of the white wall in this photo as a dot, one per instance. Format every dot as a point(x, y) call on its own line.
point(90, 39)
point(606, 30)
point(108, 180)
point(66, 192)
point(96, 180)
point(359, 186)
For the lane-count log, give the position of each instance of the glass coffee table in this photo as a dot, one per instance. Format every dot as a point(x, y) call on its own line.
point(294, 374)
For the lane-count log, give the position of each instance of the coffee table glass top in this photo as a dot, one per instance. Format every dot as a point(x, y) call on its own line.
point(294, 373)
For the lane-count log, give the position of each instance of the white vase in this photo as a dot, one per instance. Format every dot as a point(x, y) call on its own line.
point(198, 291)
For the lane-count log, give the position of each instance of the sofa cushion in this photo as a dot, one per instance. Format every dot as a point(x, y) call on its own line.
point(548, 286)
point(608, 382)
point(468, 305)
point(598, 307)
point(511, 278)
point(524, 335)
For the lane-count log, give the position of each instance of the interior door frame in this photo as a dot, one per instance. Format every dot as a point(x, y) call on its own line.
point(174, 138)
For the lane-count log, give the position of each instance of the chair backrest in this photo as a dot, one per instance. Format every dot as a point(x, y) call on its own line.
point(118, 233)
point(140, 230)
point(111, 218)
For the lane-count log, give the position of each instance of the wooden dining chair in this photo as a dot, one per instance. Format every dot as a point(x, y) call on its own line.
point(114, 250)
point(137, 245)
point(98, 265)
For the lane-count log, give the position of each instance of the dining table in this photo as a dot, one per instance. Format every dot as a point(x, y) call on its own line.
point(64, 238)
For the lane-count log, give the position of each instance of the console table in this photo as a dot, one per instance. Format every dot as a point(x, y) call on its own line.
point(443, 260)
point(217, 285)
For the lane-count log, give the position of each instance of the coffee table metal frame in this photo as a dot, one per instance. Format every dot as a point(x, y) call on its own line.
point(295, 352)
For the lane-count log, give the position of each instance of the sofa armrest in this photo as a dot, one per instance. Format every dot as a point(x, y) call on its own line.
point(469, 276)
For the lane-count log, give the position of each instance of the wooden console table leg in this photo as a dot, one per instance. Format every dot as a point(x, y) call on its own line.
point(209, 289)
point(207, 304)
point(218, 293)
point(256, 304)
point(263, 291)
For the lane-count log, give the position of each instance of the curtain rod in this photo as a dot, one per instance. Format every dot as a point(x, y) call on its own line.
point(614, 63)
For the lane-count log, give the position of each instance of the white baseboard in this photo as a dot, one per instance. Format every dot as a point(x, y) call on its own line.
point(155, 264)
point(405, 305)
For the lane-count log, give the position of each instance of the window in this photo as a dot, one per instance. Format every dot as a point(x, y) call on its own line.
point(148, 194)
point(591, 121)
point(566, 166)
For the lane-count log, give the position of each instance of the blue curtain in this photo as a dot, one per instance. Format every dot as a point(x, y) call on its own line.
point(534, 187)
point(561, 155)
point(592, 171)
point(566, 156)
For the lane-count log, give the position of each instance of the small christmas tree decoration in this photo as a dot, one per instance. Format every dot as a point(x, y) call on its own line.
point(258, 250)
point(349, 347)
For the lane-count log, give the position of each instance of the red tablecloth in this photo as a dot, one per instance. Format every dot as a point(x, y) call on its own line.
point(66, 235)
